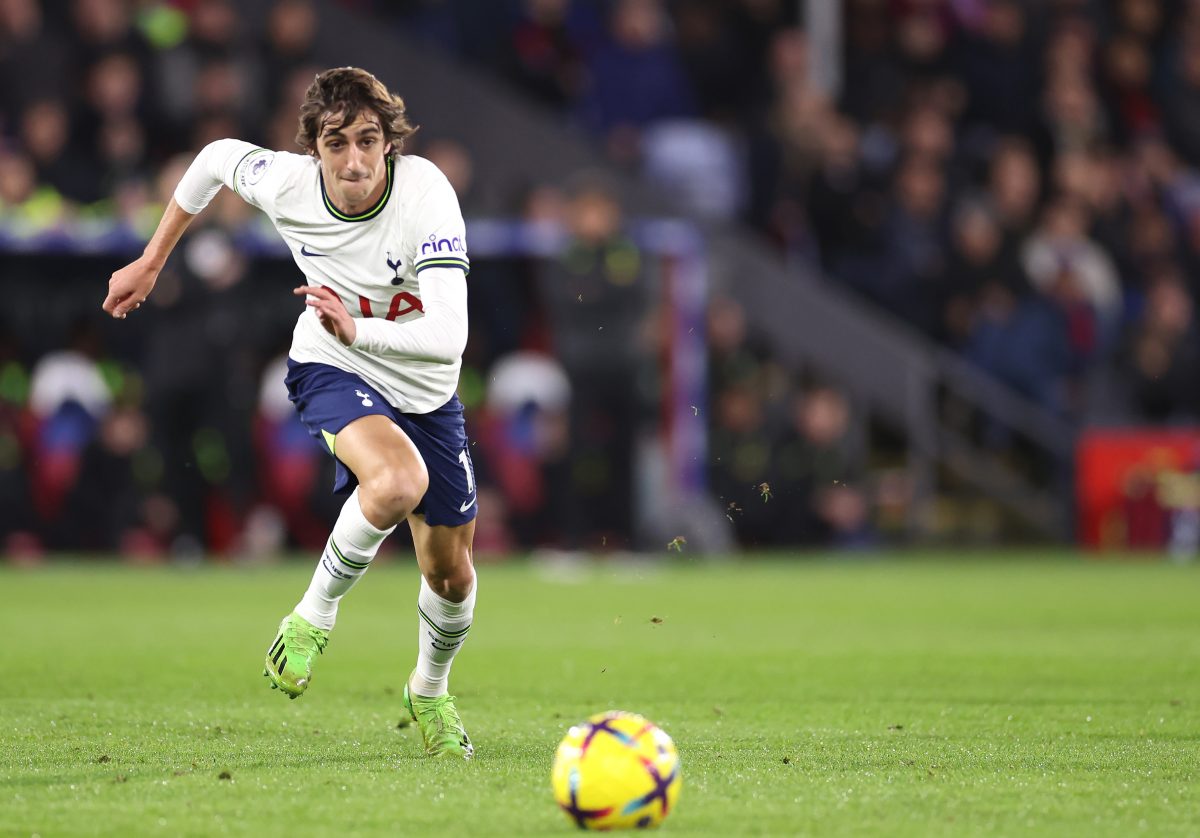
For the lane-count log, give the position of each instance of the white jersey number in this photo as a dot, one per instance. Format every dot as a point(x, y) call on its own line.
point(465, 459)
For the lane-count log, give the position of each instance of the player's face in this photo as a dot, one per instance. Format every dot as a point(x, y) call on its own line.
point(353, 161)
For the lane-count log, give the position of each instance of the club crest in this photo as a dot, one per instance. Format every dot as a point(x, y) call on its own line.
point(395, 266)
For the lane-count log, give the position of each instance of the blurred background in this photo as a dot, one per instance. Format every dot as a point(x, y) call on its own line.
point(745, 273)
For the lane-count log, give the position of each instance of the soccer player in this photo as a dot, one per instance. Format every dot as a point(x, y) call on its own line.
point(373, 365)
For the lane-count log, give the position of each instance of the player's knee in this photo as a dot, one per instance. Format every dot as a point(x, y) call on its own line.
point(452, 583)
point(396, 492)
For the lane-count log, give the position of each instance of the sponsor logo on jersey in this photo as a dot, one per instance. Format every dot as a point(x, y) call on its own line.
point(436, 245)
point(304, 251)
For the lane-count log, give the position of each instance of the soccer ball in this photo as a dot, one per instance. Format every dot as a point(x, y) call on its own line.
point(616, 771)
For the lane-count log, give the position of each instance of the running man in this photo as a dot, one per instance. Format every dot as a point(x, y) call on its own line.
point(373, 365)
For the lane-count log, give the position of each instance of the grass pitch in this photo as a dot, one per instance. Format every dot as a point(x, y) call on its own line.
point(900, 696)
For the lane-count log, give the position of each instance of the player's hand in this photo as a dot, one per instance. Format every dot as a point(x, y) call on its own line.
point(129, 287)
point(331, 311)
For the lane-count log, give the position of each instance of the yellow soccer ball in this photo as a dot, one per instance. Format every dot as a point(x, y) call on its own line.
point(616, 771)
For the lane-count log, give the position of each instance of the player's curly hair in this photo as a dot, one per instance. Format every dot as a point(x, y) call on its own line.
point(339, 95)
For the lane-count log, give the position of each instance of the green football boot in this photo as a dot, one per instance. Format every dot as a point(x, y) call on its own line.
point(290, 658)
point(440, 725)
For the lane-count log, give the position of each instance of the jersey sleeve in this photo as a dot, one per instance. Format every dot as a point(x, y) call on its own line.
point(258, 177)
point(436, 227)
point(254, 173)
point(439, 337)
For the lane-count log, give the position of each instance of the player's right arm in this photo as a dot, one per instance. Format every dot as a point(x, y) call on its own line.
point(213, 167)
point(128, 287)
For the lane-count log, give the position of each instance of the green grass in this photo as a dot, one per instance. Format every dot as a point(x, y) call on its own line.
point(876, 697)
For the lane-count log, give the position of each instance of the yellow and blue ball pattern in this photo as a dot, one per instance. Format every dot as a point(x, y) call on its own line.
point(616, 771)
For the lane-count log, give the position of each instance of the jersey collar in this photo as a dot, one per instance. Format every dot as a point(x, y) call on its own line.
point(369, 214)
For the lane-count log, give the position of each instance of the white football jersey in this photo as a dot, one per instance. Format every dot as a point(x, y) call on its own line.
point(370, 260)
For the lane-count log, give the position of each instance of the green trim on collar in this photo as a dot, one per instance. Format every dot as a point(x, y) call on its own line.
point(369, 214)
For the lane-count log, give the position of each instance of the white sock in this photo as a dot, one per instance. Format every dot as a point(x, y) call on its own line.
point(442, 628)
point(348, 553)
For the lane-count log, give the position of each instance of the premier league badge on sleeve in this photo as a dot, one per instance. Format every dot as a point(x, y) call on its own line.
point(258, 168)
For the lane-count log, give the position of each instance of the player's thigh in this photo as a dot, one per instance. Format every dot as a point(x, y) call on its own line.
point(445, 555)
point(382, 456)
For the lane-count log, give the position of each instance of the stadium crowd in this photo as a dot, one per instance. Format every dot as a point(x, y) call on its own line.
point(1015, 179)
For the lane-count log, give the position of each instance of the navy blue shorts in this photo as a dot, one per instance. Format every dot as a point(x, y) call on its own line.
point(329, 399)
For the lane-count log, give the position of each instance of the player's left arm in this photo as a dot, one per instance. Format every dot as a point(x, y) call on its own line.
point(438, 337)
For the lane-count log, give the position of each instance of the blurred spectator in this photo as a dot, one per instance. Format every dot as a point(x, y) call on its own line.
point(25, 207)
point(818, 454)
point(30, 50)
point(978, 258)
point(113, 88)
point(698, 165)
point(288, 463)
point(922, 35)
point(1163, 354)
point(927, 133)
point(101, 27)
point(68, 397)
point(874, 82)
point(598, 295)
point(201, 403)
point(734, 354)
point(634, 78)
point(997, 62)
point(914, 258)
point(1060, 248)
point(280, 130)
point(1073, 118)
point(454, 161)
point(1150, 242)
point(545, 48)
point(115, 118)
point(71, 376)
point(797, 485)
point(45, 132)
point(525, 445)
point(719, 44)
point(106, 505)
point(16, 449)
point(842, 203)
point(1180, 109)
point(209, 83)
point(1014, 183)
point(1129, 74)
point(741, 457)
point(291, 35)
point(1023, 342)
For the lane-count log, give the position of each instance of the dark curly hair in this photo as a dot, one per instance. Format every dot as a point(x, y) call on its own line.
point(336, 98)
